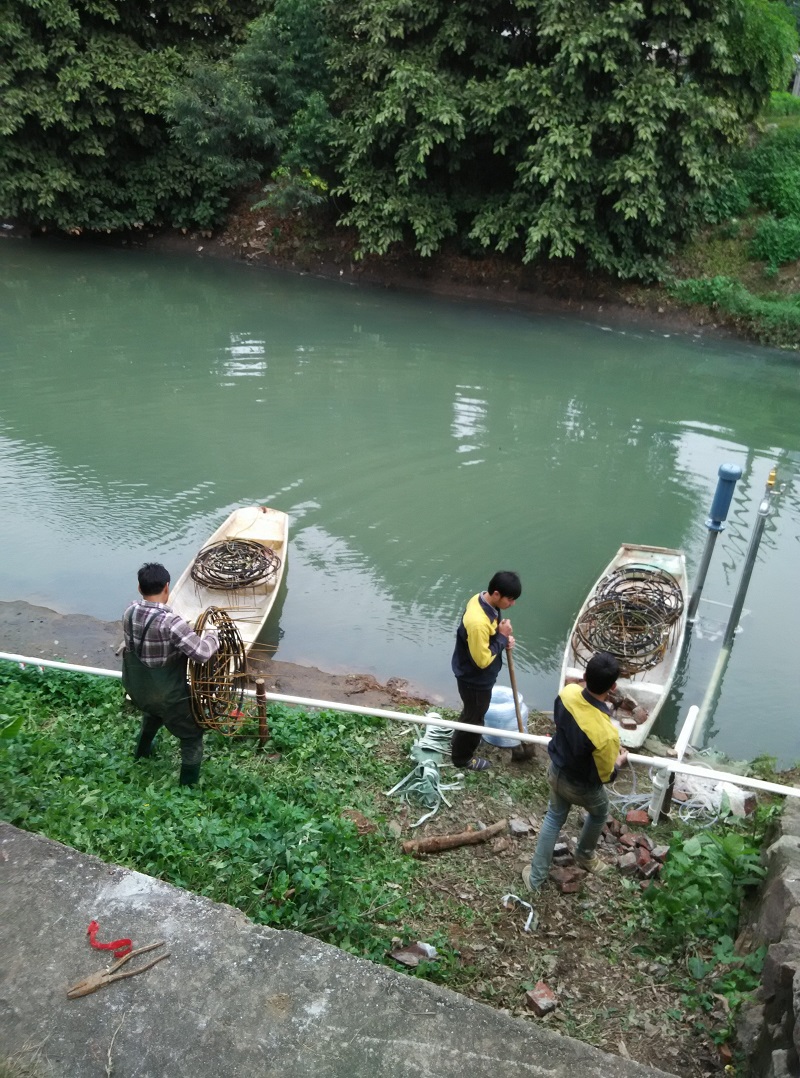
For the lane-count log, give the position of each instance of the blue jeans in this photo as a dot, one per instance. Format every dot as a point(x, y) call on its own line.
point(563, 795)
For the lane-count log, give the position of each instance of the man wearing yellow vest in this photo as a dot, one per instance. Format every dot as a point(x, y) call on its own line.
point(584, 755)
point(481, 638)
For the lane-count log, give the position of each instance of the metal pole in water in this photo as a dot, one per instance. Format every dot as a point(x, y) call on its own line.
point(714, 685)
point(728, 476)
point(750, 560)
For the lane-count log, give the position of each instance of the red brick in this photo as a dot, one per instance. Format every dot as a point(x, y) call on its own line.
point(660, 852)
point(567, 880)
point(627, 864)
point(629, 840)
point(637, 817)
point(541, 999)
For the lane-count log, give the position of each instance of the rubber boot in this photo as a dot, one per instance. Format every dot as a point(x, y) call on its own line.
point(144, 746)
point(190, 773)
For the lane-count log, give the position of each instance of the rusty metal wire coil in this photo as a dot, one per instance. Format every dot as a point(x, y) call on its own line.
point(235, 563)
point(644, 584)
point(632, 615)
point(216, 687)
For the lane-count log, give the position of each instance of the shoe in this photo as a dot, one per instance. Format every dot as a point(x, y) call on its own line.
point(477, 763)
point(594, 865)
point(526, 878)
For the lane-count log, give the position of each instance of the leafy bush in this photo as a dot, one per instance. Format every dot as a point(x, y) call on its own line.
point(730, 199)
point(770, 172)
point(86, 145)
point(533, 130)
point(266, 103)
point(780, 190)
point(783, 104)
point(773, 319)
point(703, 884)
point(776, 242)
point(693, 916)
point(292, 191)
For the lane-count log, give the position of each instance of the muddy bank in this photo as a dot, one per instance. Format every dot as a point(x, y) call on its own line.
point(557, 288)
point(41, 633)
point(319, 248)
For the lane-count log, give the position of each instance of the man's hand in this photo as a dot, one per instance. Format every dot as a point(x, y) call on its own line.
point(621, 760)
point(505, 627)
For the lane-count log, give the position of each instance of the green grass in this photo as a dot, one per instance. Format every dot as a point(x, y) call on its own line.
point(267, 837)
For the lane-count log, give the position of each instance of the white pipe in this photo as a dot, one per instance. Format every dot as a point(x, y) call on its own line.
point(26, 660)
point(432, 719)
point(686, 732)
point(680, 768)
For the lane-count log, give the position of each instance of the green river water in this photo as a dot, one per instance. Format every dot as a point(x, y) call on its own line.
point(417, 445)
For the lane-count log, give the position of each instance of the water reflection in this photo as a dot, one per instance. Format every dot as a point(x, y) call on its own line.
point(246, 358)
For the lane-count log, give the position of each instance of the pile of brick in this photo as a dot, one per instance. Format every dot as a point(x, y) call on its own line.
point(635, 853)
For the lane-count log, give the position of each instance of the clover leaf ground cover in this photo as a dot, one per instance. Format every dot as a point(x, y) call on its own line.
point(264, 835)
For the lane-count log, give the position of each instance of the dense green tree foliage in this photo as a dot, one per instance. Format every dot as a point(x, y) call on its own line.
point(547, 127)
point(83, 87)
point(269, 100)
point(543, 128)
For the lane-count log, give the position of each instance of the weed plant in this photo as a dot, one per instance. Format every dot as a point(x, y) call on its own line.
point(692, 918)
point(268, 837)
point(773, 318)
point(776, 241)
point(783, 104)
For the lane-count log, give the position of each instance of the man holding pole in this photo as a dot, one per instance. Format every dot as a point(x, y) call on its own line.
point(481, 638)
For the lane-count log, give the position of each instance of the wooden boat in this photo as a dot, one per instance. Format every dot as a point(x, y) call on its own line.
point(260, 535)
point(637, 611)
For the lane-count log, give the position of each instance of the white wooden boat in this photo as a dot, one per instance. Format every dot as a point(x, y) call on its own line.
point(620, 615)
point(248, 606)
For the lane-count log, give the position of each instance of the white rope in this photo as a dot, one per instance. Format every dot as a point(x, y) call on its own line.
point(423, 783)
point(506, 900)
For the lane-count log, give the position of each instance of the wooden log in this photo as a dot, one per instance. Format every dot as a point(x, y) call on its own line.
point(448, 842)
point(261, 706)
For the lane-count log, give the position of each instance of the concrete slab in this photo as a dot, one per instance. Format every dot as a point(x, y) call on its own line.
point(234, 999)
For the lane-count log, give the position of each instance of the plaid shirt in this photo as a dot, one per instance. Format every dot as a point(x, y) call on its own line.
point(168, 634)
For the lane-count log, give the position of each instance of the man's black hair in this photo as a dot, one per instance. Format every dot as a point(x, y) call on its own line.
point(153, 578)
point(506, 583)
point(602, 671)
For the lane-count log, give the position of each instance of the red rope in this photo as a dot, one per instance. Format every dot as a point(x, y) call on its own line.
point(119, 947)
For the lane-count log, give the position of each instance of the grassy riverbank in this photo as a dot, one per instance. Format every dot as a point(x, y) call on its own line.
point(302, 836)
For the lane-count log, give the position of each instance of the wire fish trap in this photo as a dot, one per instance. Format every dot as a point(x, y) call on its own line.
point(643, 584)
point(235, 563)
point(216, 687)
point(633, 615)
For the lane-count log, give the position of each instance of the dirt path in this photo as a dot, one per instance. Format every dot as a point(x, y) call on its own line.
point(39, 632)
